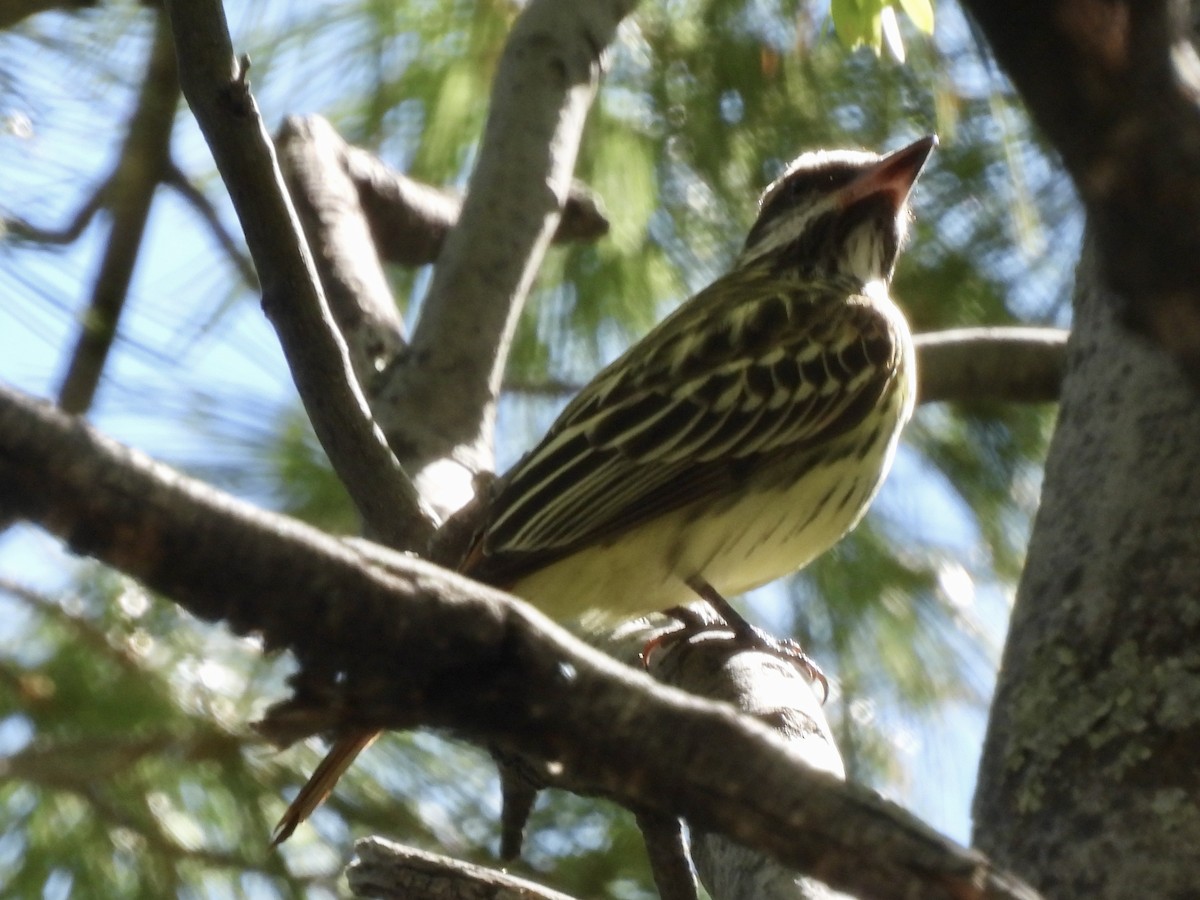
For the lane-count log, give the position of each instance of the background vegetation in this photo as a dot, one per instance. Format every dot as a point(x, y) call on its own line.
point(129, 770)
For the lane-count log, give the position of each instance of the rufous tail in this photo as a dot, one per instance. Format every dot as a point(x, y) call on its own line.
point(321, 782)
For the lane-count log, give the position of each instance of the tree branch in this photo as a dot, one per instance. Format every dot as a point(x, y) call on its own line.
point(971, 365)
point(442, 396)
point(963, 365)
point(128, 193)
point(779, 693)
point(216, 88)
point(12, 12)
point(1116, 87)
point(411, 644)
point(410, 220)
point(695, 650)
point(390, 871)
point(342, 243)
point(358, 212)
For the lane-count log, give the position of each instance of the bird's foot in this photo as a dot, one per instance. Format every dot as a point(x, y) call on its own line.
point(749, 636)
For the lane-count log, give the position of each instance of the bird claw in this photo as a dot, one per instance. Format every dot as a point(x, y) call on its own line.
point(746, 635)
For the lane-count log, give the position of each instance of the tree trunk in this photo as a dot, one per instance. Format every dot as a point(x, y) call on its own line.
point(1089, 780)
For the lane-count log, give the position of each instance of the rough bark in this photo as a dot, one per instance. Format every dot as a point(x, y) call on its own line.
point(780, 694)
point(1088, 782)
point(389, 871)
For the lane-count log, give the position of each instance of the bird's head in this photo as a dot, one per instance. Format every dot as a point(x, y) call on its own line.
point(837, 213)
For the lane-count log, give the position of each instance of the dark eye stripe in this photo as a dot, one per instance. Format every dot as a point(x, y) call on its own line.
point(798, 187)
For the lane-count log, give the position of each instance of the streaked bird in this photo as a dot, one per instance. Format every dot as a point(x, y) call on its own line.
point(738, 440)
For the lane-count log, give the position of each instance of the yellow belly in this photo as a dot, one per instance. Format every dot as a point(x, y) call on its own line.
point(765, 532)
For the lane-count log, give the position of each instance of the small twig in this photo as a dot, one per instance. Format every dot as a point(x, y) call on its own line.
point(21, 229)
point(669, 860)
point(176, 179)
point(518, 792)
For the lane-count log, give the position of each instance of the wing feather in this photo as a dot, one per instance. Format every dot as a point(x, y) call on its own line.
point(711, 394)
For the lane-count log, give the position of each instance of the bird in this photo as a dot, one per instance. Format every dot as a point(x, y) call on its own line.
point(743, 436)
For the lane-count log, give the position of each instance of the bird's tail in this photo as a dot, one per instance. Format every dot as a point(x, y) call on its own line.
point(321, 782)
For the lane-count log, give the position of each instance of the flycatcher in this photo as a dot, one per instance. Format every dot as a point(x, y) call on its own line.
point(738, 440)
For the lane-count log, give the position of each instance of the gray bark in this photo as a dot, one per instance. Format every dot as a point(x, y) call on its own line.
point(1088, 782)
point(543, 88)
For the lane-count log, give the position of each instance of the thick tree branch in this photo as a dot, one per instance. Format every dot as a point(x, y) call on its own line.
point(962, 365)
point(216, 88)
point(128, 194)
point(389, 871)
point(411, 644)
point(695, 650)
point(973, 365)
point(342, 243)
point(410, 220)
point(1116, 86)
point(541, 93)
point(710, 663)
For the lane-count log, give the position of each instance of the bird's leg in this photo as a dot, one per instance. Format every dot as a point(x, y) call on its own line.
point(752, 637)
point(519, 787)
point(733, 619)
point(670, 862)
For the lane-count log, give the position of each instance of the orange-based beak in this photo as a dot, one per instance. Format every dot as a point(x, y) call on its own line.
point(894, 175)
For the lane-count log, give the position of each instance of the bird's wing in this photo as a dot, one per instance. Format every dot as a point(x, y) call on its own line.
point(719, 388)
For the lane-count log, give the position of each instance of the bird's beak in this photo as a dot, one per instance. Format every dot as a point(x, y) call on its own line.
point(893, 176)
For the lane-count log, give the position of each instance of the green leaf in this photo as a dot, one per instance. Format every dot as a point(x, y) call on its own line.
point(849, 22)
point(920, 12)
point(891, 33)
